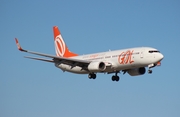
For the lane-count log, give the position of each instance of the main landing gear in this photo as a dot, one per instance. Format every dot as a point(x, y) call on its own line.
point(115, 77)
point(92, 76)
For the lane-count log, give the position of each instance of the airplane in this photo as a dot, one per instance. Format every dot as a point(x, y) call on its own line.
point(133, 61)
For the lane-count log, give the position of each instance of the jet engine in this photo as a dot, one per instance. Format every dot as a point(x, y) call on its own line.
point(96, 66)
point(137, 71)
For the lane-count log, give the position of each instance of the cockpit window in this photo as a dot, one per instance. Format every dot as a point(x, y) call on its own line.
point(154, 51)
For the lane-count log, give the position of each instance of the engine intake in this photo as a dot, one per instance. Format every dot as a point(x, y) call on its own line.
point(137, 71)
point(96, 66)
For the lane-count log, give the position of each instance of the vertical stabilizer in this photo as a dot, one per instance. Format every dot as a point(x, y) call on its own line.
point(60, 46)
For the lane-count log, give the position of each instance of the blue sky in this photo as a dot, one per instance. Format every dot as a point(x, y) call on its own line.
point(39, 89)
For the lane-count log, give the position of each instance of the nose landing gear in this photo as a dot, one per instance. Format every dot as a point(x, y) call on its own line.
point(150, 66)
point(150, 71)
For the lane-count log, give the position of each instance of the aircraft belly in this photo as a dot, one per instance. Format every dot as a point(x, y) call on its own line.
point(76, 69)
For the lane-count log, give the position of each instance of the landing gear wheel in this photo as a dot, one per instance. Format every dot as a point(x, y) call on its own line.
point(150, 71)
point(115, 78)
point(92, 76)
point(89, 76)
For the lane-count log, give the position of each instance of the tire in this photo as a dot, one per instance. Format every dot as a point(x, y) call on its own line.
point(94, 76)
point(89, 76)
point(117, 78)
point(113, 78)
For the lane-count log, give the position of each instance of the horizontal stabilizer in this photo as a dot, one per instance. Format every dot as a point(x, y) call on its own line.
point(41, 59)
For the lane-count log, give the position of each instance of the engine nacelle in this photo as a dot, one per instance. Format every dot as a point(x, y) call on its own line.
point(96, 66)
point(137, 71)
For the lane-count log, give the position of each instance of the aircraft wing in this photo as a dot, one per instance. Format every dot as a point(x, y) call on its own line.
point(55, 59)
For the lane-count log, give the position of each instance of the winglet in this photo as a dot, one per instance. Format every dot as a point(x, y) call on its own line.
point(18, 45)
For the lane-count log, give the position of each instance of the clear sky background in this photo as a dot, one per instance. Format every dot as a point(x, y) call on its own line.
point(30, 88)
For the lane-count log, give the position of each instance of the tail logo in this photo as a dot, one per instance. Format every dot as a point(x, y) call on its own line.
point(60, 46)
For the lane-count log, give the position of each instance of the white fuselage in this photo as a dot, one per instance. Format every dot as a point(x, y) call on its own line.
point(118, 60)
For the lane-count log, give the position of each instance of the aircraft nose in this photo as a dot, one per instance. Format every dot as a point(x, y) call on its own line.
point(161, 56)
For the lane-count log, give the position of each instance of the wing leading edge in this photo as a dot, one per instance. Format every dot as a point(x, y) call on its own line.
point(55, 59)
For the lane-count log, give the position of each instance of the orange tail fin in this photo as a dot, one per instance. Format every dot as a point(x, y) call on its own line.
point(60, 46)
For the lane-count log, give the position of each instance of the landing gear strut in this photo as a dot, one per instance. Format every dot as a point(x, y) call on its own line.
point(92, 76)
point(115, 77)
point(150, 66)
